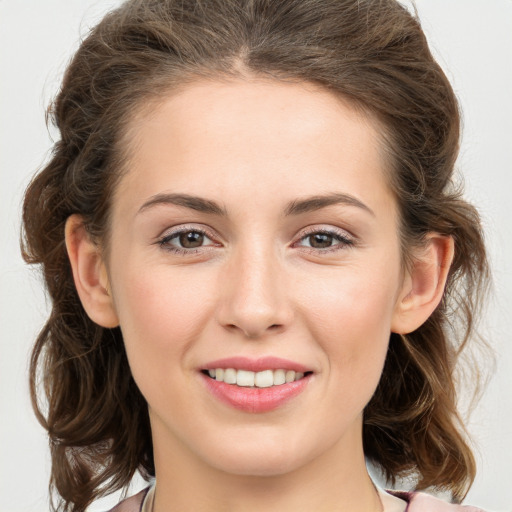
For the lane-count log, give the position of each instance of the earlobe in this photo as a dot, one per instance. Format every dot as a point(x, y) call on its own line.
point(424, 284)
point(90, 274)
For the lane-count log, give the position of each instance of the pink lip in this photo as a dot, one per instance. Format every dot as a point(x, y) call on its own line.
point(256, 365)
point(255, 400)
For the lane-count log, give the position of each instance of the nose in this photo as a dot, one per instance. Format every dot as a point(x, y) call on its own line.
point(254, 295)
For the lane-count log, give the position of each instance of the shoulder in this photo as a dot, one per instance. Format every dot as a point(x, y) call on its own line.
point(421, 502)
point(132, 504)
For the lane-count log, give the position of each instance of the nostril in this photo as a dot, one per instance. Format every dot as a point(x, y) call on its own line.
point(254, 331)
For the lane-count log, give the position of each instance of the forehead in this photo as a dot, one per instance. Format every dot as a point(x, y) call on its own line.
point(239, 137)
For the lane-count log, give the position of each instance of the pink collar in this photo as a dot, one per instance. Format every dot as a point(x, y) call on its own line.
point(421, 502)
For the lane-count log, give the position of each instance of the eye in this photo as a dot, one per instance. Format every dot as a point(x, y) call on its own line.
point(322, 240)
point(185, 241)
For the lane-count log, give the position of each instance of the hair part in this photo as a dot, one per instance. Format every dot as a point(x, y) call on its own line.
point(372, 53)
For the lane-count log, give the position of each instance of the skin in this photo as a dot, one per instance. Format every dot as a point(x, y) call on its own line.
point(257, 287)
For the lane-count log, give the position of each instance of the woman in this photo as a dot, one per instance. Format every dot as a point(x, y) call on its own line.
point(258, 262)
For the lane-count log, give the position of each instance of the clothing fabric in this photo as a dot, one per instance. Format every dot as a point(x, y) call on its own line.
point(416, 502)
point(421, 502)
point(132, 504)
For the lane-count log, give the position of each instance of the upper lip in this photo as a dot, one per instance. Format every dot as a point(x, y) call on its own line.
point(256, 365)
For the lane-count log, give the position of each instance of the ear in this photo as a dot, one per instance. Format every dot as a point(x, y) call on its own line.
point(424, 284)
point(89, 273)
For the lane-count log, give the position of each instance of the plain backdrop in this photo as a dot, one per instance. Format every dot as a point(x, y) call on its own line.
point(473, 42)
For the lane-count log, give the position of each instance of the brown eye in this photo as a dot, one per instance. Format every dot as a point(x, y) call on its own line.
point(185, 241)
point(320, 240)
point(191, 239)
point(325, 241)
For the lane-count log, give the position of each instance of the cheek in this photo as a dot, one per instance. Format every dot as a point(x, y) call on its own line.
point(161, 292)
point(161, 313)
point(350, 316)
point(350, 300)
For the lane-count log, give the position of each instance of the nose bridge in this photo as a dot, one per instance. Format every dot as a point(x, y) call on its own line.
point(254, 298)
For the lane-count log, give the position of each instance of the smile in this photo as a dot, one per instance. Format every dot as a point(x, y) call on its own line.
point(255, 385)
point(263, 379)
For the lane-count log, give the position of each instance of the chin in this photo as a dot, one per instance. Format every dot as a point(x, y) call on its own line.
point(258, 468)
point(260, 459)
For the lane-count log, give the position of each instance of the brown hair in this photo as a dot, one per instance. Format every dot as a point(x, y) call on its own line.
point(371, 52)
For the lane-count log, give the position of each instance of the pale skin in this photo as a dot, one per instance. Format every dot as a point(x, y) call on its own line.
point(257, 283)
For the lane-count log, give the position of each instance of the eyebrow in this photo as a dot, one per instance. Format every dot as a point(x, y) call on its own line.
point(193, 202)
point(295, 207)
point(313, 203)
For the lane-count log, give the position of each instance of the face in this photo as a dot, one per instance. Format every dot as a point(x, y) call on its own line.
point(253, 231)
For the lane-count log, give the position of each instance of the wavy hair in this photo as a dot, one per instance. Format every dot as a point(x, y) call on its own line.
point(374, 54)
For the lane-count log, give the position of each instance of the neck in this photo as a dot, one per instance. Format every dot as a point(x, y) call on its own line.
point(335, 481)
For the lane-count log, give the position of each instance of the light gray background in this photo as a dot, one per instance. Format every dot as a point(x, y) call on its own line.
point(472, 39)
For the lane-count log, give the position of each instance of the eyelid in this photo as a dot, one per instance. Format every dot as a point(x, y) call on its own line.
point(181, 228)
point(326, 229)
point(170, 233)
point(344, 237)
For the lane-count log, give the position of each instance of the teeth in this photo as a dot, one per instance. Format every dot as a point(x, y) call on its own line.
point(244, 378)
point(230, 376)
point(263, 379)
point(279, 377)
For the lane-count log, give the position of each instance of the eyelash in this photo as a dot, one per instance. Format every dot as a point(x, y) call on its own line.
point(345, 241)
point(341, 237)
point(164, 241)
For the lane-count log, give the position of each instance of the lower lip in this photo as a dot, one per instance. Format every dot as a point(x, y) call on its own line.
point(255, 400)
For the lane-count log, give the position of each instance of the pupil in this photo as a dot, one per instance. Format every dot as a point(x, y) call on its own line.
point(320, 240)
point(191, 239)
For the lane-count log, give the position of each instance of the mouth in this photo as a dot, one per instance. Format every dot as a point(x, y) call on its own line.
point(249, 379)
point(255, 385)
